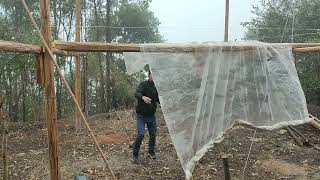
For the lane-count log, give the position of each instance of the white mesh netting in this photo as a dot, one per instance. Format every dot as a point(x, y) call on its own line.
point(205, 92)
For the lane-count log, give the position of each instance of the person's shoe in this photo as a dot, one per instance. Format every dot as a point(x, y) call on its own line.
point(135, 160)
point(152, 155)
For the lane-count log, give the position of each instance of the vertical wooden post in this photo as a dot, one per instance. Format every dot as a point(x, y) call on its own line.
point(77, 88)
point(226, 167)
point(4, 147)
point(226, 23)
point(4, 120)
point(50, 96)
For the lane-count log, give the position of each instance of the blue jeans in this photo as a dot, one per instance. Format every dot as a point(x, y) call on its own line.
point(151, 125)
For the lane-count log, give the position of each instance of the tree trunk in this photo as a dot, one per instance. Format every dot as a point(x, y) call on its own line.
point(85, 63)
point(71, 73)
point(102, 84)
point(10, 92)
point(108, 55)
point(59, 94)
point(108, 84)
point(85, 85)
point(23, 90)
point(16, 99)
point(97, 102)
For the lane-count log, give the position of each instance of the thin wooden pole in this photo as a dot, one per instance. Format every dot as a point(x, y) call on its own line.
point(10, 46)
point(50, 96)
point(307, 49)
point(226, 23)
point(58, 70)
point(4, 120)
point(77, 88)
point(5, 125)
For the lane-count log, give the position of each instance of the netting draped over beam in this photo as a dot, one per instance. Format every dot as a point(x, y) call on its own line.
point(205, 92)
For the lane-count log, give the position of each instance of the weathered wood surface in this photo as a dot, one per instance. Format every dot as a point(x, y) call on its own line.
point(96, 47)
point(307, 49)
point(158, 47)
point(66, 48)
point(77, 88)
point(4, 123)
point(50, 96)
point(10, 46)
point(315, 124)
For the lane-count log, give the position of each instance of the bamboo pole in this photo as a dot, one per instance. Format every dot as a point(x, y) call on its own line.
point(50, 96)
point(4, 120)
point(5, 132)
point(10, 46)
point(77, 88)
point(96, 46)
point(226, 23)
point(307, 49)
point(158, 47)
point(66, 48)
point(68, 53)
point(58, 70)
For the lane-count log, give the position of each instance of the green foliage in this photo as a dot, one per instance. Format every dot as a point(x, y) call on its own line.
point(277, 21)
point(140, 25)
point(17, 73)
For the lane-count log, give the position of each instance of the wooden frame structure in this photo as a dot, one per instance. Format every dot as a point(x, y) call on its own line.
point(45, 58)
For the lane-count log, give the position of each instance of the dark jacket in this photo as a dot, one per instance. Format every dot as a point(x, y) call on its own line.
point(148, 89)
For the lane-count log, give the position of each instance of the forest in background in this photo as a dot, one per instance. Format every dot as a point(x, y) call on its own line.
point(105, 85)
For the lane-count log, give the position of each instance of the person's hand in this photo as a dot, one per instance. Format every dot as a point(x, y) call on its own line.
point(146, 99)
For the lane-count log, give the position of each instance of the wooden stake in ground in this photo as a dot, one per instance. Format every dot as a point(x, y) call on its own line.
point(4, 120)
point(50, 96)
point(226, 167)
point(77, 87)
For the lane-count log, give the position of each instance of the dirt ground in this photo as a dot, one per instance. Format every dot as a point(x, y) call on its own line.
point(274, 154)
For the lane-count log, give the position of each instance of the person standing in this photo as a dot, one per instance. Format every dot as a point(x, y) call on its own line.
point(147, 96)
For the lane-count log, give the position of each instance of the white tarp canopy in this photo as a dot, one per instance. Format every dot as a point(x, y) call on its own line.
point(203, 93)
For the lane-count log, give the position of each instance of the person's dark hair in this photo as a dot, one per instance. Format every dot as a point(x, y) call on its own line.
point(149, 72)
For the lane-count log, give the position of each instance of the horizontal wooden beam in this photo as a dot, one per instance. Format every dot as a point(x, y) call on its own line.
point(299, 45)
point(9, 46)
point(95, 47)
point(307, 49)
point(66, 48)
point(68, 53)
point(157, 47)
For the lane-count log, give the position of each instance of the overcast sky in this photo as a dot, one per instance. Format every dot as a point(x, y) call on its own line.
point(200, 20)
